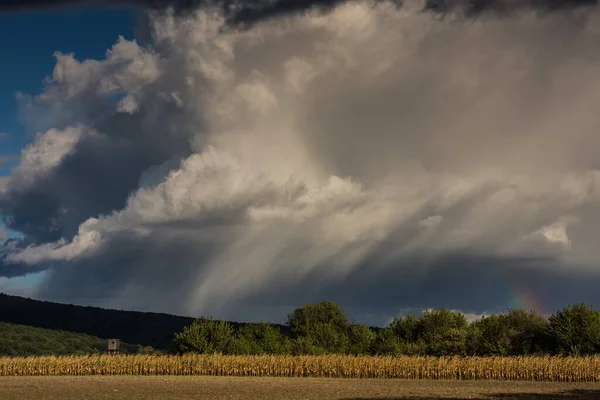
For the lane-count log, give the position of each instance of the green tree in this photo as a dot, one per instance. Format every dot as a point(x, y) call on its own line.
point(323, 325)
point(261, 338)
point(443, 332)
point(387, 343)
point(330, 339)
point(148, 350)
point(576, 329)
point(240, 345)
point(517, 332)
point(525, 331)
point(361, 339)
point(304, 346)
point(205, 335)
point(406, 328)
point(301, 319)
point(488, 336)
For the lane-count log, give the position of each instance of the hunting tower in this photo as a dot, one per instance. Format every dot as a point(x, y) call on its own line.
point(113, 345)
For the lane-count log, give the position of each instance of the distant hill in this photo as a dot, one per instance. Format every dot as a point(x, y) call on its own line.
point(144, 328)
point(22, 340)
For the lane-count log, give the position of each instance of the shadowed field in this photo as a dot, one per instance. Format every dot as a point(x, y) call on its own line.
point(204, 387)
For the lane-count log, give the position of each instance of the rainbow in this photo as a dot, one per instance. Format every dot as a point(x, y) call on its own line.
point(522, 296)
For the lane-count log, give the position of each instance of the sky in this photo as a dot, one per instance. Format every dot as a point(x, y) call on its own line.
point(29, 41)
point(389, 157)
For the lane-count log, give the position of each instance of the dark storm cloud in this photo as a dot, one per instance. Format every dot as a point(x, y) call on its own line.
point(8, 270)
point(244, 12)
point(113, 279)
point(476, 285)
point(11, 270)
point(477, 7)
point(236, 12)
point(94, 179)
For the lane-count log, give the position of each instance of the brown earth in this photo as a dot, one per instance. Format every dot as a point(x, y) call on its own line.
point(186, 387)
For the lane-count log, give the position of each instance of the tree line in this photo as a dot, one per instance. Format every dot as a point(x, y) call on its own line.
point(324, 328)
point(312, 329)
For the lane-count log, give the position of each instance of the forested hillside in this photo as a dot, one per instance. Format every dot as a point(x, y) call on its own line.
point(21, 340)
point(144, 328)
point(147, 329)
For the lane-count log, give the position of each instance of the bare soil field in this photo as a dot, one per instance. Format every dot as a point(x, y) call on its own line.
point(217, 388)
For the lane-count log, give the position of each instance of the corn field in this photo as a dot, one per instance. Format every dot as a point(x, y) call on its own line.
point(583, 369)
